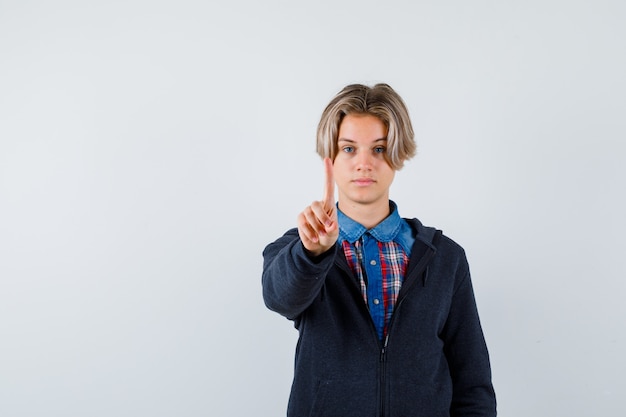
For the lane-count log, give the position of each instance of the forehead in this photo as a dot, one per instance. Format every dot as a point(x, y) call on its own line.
point(362, 127)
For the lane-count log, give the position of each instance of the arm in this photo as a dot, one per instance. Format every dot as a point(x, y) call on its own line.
point(467, 355)
point(295, 265)
point(292, 278)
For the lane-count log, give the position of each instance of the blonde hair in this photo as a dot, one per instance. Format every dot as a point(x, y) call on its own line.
point(380, 101)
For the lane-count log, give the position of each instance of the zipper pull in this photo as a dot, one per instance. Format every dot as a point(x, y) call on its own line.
point(384, 349)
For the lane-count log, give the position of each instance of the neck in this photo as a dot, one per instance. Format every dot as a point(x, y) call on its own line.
point(369, 215)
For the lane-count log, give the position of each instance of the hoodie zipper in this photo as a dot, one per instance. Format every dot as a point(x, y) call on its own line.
point(383, 372)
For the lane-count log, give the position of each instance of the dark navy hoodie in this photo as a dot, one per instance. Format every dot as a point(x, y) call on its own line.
point(434, 361)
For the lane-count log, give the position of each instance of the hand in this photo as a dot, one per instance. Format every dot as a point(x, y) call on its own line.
point(317, 224)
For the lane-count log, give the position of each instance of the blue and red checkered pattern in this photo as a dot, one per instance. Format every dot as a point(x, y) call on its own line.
point(392, 261)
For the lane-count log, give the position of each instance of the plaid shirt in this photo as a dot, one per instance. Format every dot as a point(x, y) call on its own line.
point(378, 257)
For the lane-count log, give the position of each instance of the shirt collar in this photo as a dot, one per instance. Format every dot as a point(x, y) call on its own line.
point(385, 231)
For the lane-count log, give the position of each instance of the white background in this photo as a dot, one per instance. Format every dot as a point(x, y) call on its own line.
point(149, 150)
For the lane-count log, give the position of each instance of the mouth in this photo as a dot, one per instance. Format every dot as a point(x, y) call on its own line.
point(363, 182)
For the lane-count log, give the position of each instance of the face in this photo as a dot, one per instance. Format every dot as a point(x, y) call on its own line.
point(361, 172)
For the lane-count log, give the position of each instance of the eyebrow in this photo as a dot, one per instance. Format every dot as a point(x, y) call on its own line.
point(353, 141)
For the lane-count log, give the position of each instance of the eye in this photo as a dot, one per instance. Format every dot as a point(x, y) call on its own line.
point(379, 149)
point(348, 149)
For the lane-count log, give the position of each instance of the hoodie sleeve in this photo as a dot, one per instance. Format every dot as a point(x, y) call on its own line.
point(292, 279)
point(467, 355)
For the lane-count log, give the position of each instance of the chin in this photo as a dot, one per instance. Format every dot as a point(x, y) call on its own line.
point(365, 200)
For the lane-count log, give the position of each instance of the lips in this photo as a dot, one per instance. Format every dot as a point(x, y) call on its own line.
point(363, 182)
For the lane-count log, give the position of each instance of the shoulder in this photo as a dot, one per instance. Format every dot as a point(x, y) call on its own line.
point(449, 263)
point(442, 244)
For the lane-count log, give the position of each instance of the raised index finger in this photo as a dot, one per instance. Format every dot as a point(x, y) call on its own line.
point(329, 185)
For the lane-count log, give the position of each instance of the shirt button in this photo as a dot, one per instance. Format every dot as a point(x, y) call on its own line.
point(372, 262)
point(376, 301)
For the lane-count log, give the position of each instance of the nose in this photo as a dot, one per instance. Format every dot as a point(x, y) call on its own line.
point(364, 161)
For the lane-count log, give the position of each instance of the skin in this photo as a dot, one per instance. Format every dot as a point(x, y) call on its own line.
point(363, 178)
point(317, 224)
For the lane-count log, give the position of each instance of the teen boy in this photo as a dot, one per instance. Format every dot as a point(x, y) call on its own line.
point(384, 306)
